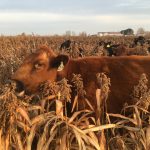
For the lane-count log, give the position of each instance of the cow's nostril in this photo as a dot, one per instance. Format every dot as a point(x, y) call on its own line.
point(19, 86)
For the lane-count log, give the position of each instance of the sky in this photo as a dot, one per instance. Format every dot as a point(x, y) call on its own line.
point(49, 17)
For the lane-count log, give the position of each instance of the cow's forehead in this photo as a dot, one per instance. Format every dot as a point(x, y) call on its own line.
point(36, 56)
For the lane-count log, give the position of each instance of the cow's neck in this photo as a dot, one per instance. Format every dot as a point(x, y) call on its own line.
point(63, 74)
point(60, 75)
point(70, 68)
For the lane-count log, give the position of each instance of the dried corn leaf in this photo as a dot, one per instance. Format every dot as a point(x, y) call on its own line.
point(24, 114)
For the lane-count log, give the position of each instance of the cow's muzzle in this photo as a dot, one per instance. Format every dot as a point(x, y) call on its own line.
point(19, 88)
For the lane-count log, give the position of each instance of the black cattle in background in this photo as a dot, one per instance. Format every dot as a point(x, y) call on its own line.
point(148, 41)
point(108, 46)
point(73, 48)
point(81, 51)
point(65, 45)
point(140, 40)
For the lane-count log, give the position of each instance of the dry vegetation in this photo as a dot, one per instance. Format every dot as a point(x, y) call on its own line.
point(42, 122)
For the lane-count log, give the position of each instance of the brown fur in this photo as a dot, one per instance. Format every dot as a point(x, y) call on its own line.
point(122, 50)
point(124, 72)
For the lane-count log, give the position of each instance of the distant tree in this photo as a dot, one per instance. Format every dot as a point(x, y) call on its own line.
point(73, 33)
point(83, 34)
point(128, 31)
point(68, 33)
point(23, 34)
point(140, 31)
point(147, 33)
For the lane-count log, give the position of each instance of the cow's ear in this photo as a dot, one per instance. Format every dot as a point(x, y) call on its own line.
point(59, 62)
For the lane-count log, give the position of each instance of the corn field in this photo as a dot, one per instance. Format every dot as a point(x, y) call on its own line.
point(42, 122)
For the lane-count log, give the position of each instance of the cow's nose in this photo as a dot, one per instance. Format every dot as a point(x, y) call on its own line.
point(19, 86)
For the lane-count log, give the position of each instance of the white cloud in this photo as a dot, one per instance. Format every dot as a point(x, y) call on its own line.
point(127, 3)
point(46, 22)
point(123, 19)
point(6, 17)
point(29, 16)
point(40, 16)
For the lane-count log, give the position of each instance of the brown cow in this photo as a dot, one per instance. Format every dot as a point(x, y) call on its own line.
point(124, 72)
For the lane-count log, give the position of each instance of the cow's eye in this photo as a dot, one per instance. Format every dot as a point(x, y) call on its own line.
point(38, 66)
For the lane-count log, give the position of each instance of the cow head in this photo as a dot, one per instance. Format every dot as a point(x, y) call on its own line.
point(38, 67)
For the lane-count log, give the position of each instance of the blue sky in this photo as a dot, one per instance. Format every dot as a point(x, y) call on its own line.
point(47, 17)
